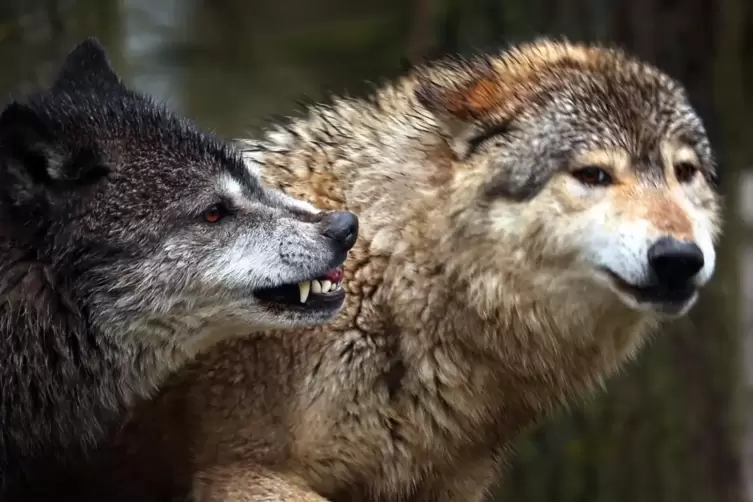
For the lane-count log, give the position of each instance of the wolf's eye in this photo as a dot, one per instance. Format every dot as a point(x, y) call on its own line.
point(685, 171)
point(592, 175)
point(214, 213)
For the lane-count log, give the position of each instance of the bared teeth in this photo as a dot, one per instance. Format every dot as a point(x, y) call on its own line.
point(304, 288)
point(307, 288)
point(316, 286)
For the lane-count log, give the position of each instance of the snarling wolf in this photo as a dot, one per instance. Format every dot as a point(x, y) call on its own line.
point(527, 219)
point(129, 241)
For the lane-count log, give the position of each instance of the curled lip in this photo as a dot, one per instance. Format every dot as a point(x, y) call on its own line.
point(288, 297)
point(670, 294)
point(321, 291)
point(331, 271)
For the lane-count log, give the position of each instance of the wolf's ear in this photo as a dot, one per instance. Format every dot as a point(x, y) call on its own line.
point(87, 66)
point(463, 99)
point(33, 159)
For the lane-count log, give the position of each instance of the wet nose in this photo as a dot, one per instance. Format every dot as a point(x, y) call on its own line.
point(675, 262)
point(342, 227)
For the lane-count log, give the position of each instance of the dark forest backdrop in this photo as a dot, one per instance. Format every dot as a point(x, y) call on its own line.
point(674, 426)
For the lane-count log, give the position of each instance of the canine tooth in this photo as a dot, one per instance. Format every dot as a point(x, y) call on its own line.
point(316, 286)
point(326, 285)
point(304, 288)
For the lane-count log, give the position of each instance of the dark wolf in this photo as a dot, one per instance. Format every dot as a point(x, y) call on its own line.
point(130, 240)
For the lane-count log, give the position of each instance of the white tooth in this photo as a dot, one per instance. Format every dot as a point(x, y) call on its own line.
point(316, 287)
point(326, 285)
point(304, 288)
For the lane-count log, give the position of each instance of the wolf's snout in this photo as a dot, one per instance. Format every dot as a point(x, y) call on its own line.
point(342, 227)
point(675, 262)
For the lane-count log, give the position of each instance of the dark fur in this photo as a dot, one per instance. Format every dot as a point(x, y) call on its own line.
point(93, 176)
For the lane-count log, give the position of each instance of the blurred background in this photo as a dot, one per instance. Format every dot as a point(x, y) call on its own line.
point(677, 425)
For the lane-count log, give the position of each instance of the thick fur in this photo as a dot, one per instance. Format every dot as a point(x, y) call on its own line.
point(487, 287)
point(109, 276)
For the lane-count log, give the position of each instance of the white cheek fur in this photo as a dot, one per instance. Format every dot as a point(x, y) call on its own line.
point(577, 189)
point(620, 247)
point(246, 263)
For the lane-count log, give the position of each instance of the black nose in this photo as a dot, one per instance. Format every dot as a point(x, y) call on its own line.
point(675, 262)
point(342, 227)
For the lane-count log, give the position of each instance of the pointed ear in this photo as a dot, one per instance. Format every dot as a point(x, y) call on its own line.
point(463, 98)
point(32, 158)
point(87, 65)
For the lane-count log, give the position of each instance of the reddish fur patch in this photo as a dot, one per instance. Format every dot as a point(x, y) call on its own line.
point(657, 207)
point(511, 81)
point(668, 217)
point(481, 97)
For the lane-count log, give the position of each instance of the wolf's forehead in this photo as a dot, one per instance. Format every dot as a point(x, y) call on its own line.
point(182, 168)
point(629, 117)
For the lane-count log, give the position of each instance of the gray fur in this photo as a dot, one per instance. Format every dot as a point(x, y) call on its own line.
point(584, 110)
point(109, 277)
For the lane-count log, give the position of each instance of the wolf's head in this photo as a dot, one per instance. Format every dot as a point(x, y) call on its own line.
point(147, 221)
point(577, 171)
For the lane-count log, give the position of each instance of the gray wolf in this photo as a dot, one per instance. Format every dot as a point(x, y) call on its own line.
point(528, 218)
point(129, 241)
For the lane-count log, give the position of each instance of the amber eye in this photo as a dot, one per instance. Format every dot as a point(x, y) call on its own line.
point(592, 175)
point(685, 171)
point(214, 213)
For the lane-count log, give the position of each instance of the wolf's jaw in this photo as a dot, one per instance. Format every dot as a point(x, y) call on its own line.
point(325, 288)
